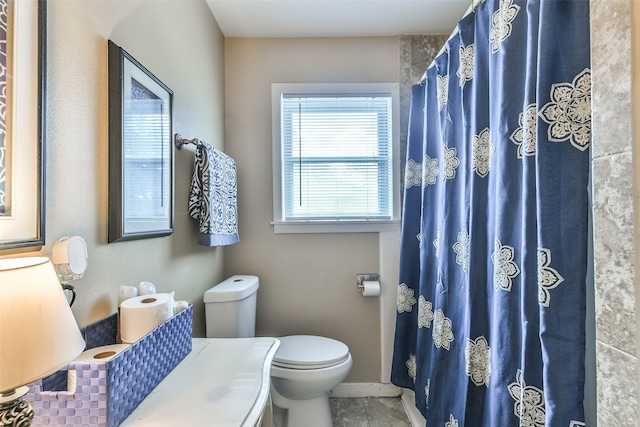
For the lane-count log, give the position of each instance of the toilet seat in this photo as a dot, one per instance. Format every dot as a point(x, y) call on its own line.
point(309, 352)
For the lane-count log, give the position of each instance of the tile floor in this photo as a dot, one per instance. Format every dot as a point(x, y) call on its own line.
point(368, 412)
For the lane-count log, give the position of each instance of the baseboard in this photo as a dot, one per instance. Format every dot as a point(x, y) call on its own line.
point(365, 390)
point(408, 398)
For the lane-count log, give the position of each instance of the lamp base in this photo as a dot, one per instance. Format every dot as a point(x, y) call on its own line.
point(15, 411)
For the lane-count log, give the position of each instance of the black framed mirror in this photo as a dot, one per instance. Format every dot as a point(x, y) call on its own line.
point(141, 164)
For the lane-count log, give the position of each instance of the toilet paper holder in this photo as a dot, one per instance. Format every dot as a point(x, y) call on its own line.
point(361, 278)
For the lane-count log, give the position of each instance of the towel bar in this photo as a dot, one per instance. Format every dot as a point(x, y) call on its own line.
point(180, 141)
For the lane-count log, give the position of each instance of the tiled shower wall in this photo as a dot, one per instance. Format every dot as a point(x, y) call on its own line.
point(613, 212)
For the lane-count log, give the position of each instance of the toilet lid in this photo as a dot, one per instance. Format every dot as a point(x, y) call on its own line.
point(309, 352)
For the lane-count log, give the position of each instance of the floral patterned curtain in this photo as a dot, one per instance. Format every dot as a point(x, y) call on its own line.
point(490, 326)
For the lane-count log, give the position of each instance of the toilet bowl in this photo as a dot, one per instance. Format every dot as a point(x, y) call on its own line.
point(304, 370)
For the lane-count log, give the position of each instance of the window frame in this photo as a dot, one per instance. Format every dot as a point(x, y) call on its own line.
point(341, 225)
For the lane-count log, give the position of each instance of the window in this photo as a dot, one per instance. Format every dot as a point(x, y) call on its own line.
point(335, 157)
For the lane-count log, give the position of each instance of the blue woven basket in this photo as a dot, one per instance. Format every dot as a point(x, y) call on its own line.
point(107, 392)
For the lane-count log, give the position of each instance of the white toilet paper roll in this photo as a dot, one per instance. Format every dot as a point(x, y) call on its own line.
point(139, 315)
point(370, 288)
point(101, 354)
point(97, 354)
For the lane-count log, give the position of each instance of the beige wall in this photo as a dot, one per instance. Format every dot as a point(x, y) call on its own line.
point(307, 281)
point(182, 45)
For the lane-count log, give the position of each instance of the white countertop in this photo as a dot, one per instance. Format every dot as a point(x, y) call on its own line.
point(223, 382)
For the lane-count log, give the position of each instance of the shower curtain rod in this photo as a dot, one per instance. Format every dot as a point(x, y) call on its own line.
point(471, 8)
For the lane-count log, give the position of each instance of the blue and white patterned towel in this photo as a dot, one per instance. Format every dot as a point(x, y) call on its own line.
point(213, 197)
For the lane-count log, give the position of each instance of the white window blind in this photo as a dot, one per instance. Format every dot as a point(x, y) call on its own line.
point(336, 156)
point(145, 160)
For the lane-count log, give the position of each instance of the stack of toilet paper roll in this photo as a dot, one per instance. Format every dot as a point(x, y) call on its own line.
point(142, 309)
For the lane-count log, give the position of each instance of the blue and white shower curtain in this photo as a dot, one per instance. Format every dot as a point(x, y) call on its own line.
point(491, 300)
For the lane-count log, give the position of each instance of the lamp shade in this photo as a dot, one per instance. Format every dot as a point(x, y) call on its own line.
point(38, 332)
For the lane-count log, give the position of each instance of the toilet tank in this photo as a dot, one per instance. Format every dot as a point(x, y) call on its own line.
point(230, 308)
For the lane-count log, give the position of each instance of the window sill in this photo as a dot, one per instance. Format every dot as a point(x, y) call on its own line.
point(292, 227)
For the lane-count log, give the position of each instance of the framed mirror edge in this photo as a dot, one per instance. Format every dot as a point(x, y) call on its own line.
point(37, 238)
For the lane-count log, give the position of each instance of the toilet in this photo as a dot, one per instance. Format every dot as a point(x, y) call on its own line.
point(305, 368)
